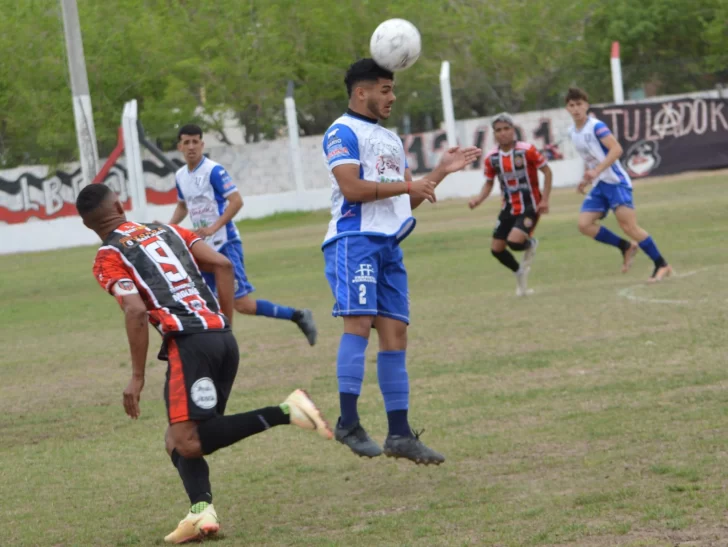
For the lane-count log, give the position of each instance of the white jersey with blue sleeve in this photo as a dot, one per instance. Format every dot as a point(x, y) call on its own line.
point(205, 190)
point(589, 146)
point(379, 153)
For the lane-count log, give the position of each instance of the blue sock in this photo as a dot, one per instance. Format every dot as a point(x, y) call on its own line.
point(350, 373)
point(394, 384)
point(610, 238)
point(269, 309)
point(649, 247)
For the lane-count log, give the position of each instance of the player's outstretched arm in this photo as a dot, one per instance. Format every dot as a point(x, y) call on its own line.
point(137, 331)
point(484, 193)
point(454, 159)
point(211, 261)
point(359, 190)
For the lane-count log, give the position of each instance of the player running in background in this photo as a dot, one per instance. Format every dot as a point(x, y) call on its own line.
point(206, 191)
point(152, 270)
point(373, 195)
point(516, 164)
point(611, 187)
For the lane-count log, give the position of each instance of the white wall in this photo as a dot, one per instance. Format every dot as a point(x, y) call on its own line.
point(263, 173)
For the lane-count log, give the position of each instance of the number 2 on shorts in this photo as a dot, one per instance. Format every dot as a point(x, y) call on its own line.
point(362, 294)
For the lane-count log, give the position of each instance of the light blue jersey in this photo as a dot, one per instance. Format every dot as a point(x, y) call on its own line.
point(364, 264)
point(205, 190)
point(379, 153)
point(589, 146)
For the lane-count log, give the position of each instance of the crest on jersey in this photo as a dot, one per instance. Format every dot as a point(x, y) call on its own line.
point(642, 158)
point(385, 163)
point(518, 161)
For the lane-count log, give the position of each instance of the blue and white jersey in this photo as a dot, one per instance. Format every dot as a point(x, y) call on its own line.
point(379, 153)
point(205, 190)
point(589, 146)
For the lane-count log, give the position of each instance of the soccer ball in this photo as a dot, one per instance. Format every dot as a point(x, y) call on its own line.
point(395, 45)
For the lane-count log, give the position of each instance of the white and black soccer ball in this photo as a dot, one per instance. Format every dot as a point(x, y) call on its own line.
point(395, 44)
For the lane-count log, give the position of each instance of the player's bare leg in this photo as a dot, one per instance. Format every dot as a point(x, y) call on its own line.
point(627, 218)
point(350, 372)
point(590, 227)
point(248, 305)
point(628, 256)
point(402, 441)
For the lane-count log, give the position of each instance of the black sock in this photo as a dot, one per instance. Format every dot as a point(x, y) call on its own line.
point(506, 258)
point(223, 431)
point(195, 475)
point(297, 316)
point(624, 245)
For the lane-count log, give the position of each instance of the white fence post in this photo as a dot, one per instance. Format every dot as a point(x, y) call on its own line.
point(133, 154)
point(617, 86)
point(82, 112)
point(294, 149)
point(447, 106)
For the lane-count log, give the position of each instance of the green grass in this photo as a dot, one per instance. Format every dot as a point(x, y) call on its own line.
point(592, 413)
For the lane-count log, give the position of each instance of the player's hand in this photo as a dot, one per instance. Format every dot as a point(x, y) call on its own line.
point(590, 176)
point(543, 207)
point(205, 231)
point(473, 203)
point(582, 186)
point(423, 189)
point(457, 158)
point(132, 394)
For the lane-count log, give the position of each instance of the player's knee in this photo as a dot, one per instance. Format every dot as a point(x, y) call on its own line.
point(360, 325)
point(517, 246)
point(585, 226)
point(190, 449)
point(183, 438)
point(245, 305)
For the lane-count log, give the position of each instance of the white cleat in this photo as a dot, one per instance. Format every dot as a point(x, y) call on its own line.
point(530, 253)
point(522, 282)
point(304, 414)
point(195, 526)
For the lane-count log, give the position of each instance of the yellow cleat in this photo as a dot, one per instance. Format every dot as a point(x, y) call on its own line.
point(304, 414)
point(195, 526)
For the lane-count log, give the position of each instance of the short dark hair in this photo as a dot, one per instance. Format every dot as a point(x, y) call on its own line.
point(365, 70)
point(576, 94)
point(189, 129)
point(91, 197)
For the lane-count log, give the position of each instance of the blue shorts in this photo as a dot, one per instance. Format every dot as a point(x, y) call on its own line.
point(367, 277)
point(605, 196)
point(234, 252)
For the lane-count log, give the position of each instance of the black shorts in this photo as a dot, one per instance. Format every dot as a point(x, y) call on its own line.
point(506, 222)
point(200, 374)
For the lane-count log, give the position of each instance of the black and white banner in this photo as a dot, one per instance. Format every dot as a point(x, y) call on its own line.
point(669, 137)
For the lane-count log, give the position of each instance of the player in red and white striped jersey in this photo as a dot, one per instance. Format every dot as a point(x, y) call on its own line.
point(153, 270)
point(516, 165)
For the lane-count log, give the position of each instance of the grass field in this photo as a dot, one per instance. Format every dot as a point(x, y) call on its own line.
point(591, 413)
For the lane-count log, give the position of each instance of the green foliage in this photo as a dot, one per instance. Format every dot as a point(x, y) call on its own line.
point(194, 60)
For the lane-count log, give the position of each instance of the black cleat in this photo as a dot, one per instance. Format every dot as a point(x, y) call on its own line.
point(357, 440)
point(411, 448)
point(305, 322)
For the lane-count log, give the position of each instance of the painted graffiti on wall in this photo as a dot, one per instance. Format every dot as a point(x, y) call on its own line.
point(547, 130)
point(31, 193)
